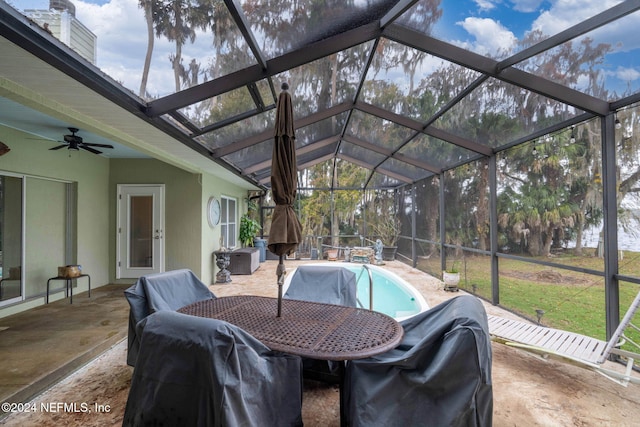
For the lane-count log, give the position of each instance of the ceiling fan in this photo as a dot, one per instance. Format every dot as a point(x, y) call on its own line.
point(74, 142)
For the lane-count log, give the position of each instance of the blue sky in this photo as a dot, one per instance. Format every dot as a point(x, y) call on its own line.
point(483, 26)
point(519, 19)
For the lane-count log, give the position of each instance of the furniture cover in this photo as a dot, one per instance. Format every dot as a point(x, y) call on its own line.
point(194, 371)
point(329, 285)
point(244, 260)
point(162, 291)
point(439, 375)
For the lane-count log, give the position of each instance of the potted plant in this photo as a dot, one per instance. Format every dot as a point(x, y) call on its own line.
point(248, 230)
point(388, 231)
point(451, 277)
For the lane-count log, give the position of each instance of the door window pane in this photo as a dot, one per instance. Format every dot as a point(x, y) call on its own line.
point(141, 228)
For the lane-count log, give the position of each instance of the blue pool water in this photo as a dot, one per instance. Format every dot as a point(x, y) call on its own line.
point(392, 295)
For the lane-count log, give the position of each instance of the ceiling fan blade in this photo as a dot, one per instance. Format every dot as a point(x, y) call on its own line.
point(84, 147)
point(97, 145)
point(59, 147)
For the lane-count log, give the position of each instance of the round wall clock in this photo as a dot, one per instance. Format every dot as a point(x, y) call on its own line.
point(213, 211)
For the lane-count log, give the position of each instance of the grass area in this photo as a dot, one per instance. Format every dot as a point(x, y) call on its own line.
point(570, 300)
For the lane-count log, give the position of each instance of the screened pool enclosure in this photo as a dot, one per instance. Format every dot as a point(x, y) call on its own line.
point(499, 138)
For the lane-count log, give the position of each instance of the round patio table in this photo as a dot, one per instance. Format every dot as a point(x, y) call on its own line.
point(308, 329)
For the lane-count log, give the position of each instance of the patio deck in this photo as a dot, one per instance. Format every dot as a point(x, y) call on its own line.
point(527, 390)
point(39, 347)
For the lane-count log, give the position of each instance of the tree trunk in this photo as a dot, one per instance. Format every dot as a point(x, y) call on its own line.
point(535, 242)
point(481, 214)
point(547, 242)
point(176, 65)
point(148, 14)
point(578, 248)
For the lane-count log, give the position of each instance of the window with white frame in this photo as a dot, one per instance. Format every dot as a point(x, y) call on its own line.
point(228, 222)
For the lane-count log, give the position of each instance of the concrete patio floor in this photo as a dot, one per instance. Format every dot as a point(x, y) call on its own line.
point(527, 391)
point(40, 346)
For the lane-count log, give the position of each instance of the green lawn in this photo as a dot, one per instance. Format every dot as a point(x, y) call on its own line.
point(571, 301)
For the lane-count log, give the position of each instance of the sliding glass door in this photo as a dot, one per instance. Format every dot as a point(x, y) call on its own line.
point(11, 233)
point(37, 234)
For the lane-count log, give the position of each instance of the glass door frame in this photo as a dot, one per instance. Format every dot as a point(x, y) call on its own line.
point(123, 270)
point(23, 236)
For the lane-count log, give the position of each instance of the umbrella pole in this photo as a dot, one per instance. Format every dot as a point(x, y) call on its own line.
point(280, 271)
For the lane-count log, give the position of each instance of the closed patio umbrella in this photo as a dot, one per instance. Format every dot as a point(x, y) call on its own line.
point(286, 231)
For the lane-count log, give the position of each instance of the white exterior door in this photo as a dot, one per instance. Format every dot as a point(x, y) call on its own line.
point(140, 230)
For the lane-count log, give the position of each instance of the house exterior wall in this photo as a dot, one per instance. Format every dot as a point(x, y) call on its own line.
point(189, 241)
point(214, 186)
point(182, 221)
point(91, 173)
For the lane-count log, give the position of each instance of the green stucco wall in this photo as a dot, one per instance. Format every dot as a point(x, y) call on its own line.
point(189, 241)
point(32, 157)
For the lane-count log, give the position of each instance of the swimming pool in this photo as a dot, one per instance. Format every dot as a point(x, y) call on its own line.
point(392, 295)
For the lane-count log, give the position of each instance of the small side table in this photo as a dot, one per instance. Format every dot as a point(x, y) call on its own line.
point(223, 259)
point(69, 285)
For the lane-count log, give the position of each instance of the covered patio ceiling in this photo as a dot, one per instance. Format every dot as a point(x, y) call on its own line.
point(380, 85)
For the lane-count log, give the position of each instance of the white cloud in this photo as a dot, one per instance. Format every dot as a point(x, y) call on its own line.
point(120, 29)
point(526, 6)
point(621, 36)
point(490, 36)
point(566, 13)
point(627, 74)
point(121, 32)
point(485, 5)
point(122, 42)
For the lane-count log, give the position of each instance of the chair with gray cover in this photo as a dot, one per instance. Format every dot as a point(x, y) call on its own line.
point(169, 291)
point(194, 371)
point(329, 285)
point(439, 375)
point(326, 284)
